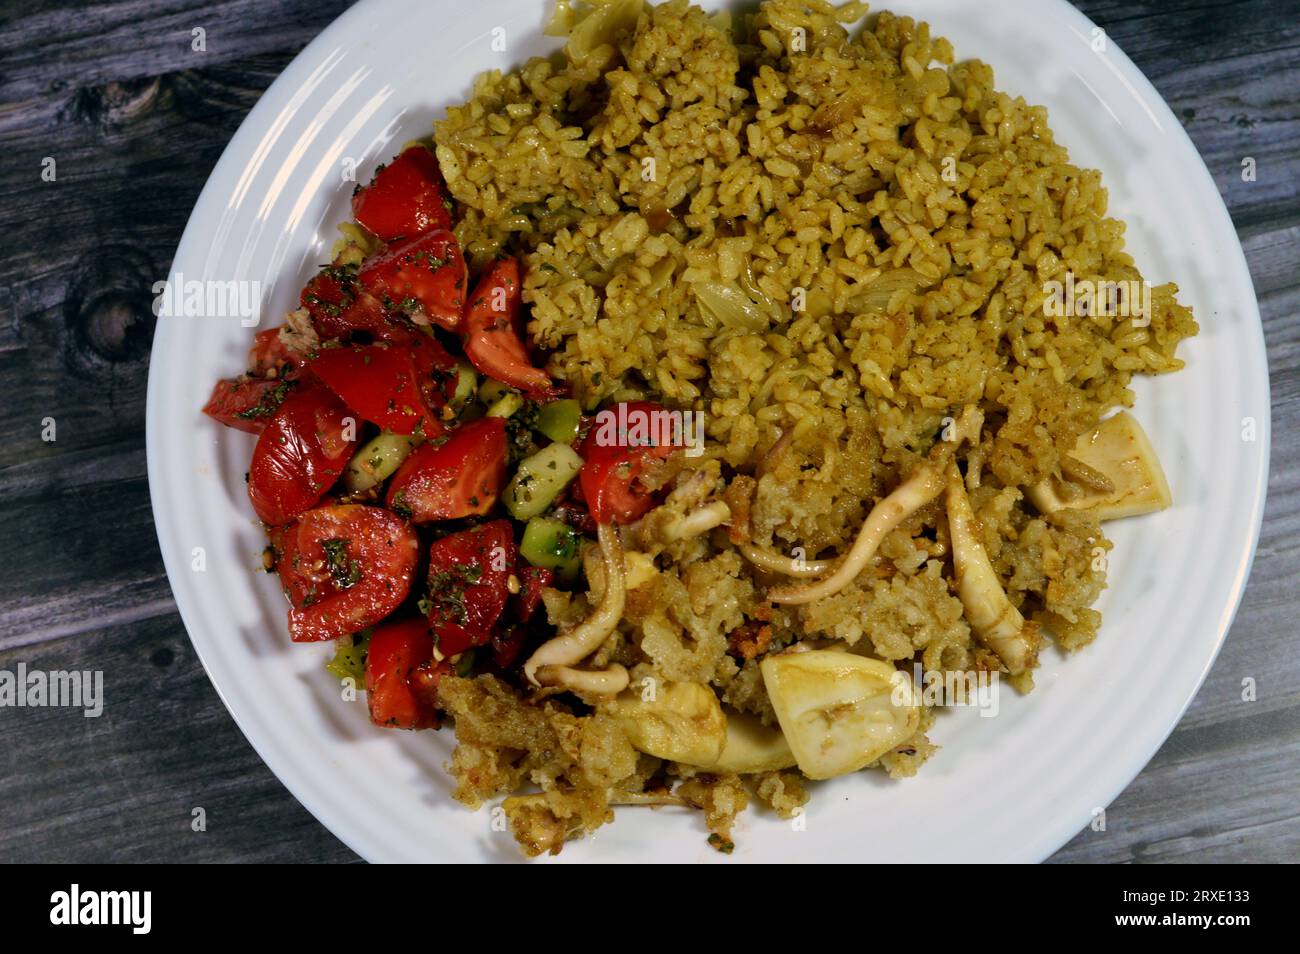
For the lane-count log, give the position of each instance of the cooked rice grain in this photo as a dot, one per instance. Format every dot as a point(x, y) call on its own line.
point(848, 242)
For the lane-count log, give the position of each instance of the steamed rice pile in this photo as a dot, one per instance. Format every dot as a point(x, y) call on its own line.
point(797, 231)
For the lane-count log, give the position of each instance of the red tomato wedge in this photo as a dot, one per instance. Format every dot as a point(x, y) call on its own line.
point(611, 466)
point(339, 305)
point(532, 580)
point(345, 568)
point(300, 454)
point(460, 475)
point(491, 332)
point(422, 276)
point(435, 368)
point(270, 356)
point(507, 643)
point(469, 576)
point(402, 677)
point(300, 584)
point(382, 384)
point(247, 403)
point(406, 197)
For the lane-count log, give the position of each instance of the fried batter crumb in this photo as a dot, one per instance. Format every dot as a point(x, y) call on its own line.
point(749, 640)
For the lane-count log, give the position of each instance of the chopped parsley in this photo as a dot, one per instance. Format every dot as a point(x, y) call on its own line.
point(400, 506)
point(344, 572)
point(268, 403)
point(446, 600)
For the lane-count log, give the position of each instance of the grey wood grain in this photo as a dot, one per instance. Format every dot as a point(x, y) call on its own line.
point(135, 119)
point(125, 786)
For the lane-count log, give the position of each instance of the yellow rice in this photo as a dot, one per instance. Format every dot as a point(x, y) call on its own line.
point(792, 227)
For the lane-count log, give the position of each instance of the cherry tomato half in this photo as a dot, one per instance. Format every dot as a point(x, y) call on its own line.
point(381, 383)
point(612, 462)
point(422, 276)
point(271, 357)
point(247, 403)
point(491, 331)
point(344, 568)
point(402, 677)
point(435, 368)
point(339, 305)
point(459, 475)
point(300, 454)
point(406, 197)
point(469, 576)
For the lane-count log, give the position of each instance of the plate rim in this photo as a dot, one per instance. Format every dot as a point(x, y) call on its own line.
point(338, 32)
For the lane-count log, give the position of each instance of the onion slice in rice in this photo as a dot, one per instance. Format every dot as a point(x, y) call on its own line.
point(731, 306)
point(877, 295)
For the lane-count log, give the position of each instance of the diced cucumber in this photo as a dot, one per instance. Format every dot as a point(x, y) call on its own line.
point(539, 480)
point(552, 544)
point(506, 405)
point(560, 420)
point(466, 385)
point(377, 460)
point(465, 664)
point(490, 391)
point(349, 660)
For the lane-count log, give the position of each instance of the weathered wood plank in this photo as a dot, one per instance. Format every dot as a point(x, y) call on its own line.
point(49, 41)
point(123, 787)
point(1222, 792)
point(78, 332)
point(134, 139)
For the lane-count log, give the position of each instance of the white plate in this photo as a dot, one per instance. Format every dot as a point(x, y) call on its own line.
point(1014, 787)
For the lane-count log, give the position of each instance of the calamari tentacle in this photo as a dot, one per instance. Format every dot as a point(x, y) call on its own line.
point(914, 493)
point(996, 622)
point(571, 647)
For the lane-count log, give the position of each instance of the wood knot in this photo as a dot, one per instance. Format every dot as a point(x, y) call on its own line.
point(114, 327)
point(114, 104)
point(109, 309)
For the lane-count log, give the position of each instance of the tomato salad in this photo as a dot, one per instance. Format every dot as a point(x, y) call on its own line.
point(421, 478)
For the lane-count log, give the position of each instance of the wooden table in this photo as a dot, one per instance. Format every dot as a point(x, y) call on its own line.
point(135, 119)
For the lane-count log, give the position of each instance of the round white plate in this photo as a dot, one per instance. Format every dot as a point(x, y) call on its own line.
point(1013, 787)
